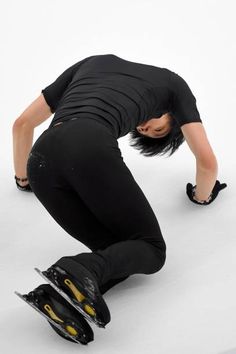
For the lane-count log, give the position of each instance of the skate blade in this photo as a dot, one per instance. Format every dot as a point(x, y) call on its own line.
point(63, 294)
point(47, 318)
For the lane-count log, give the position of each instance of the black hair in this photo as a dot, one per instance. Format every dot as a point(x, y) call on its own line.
point(158, 146)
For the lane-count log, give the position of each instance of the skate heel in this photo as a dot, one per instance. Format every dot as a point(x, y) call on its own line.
point(34, 297)
point(60, 315)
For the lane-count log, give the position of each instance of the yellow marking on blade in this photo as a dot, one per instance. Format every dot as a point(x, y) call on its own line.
point(80, 297)
point(52, 313)
point(89, 310)
point(71, 330)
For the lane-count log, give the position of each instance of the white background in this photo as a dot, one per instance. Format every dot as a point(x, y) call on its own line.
point(189, 306)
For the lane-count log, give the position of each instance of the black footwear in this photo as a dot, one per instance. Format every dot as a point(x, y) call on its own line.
point(59, 312)
point(82, 292)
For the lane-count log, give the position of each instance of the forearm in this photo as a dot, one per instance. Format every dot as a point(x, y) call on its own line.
point(205, 181)
point(22, 144)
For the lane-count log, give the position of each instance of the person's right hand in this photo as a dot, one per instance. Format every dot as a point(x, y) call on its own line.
point(215, 191)
point(25, 188)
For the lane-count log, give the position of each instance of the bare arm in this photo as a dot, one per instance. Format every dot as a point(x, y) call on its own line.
point(22, 131)
point(206, 163)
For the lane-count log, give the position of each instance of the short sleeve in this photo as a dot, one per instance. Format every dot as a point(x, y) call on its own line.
point(184, 106)
point(54, 92)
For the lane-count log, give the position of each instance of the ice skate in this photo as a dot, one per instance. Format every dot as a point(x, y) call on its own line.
point(61, 316)
point(81, 292)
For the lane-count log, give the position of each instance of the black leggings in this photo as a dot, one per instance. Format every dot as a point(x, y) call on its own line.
point(77, 172)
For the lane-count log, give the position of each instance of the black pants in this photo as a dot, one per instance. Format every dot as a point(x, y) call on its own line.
point(77, 172)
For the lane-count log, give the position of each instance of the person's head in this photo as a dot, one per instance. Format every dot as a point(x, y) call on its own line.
point(157, 136)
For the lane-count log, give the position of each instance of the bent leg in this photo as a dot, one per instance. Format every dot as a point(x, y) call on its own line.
point(87, 159)
point(107, 187)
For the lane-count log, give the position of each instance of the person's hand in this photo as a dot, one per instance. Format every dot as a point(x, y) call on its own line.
point(23, 186)
point(190, 191)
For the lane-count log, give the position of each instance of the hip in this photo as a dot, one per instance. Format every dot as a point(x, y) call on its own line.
point(76, 137)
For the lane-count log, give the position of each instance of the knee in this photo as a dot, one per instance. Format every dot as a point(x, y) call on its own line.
point(161, 258)
point(160, 251)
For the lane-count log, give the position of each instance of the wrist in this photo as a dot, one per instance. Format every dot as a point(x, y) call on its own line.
point(202, 201)
point(21, 179)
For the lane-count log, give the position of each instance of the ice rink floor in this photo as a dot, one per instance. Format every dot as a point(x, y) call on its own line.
point(189, 306)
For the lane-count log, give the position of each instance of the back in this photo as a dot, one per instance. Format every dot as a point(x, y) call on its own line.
point(119, 93)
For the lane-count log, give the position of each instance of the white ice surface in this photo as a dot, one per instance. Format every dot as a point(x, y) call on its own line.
point(189, 306)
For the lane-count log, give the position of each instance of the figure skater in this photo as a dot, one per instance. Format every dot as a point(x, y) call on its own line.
point(76, 170)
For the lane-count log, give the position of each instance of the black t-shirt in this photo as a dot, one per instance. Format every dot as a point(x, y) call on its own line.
point(119, 93)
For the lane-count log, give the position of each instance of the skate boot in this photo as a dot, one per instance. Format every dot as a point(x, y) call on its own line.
point(61, 316)
point(81, 291)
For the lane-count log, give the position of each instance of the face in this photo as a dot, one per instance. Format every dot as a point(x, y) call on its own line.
point(156, 127)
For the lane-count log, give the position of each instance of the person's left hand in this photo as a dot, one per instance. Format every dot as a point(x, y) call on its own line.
point(190, 189)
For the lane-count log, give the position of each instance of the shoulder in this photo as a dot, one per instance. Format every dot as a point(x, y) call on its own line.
point(178, 84)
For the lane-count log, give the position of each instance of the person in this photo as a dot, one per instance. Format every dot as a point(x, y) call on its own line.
point(77, 171)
